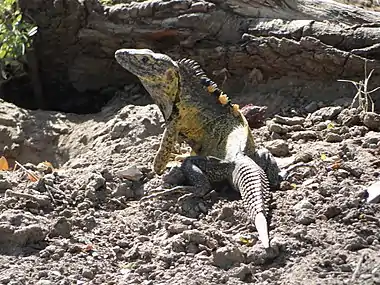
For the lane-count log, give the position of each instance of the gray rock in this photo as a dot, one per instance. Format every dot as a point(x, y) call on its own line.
point(5, 279)
point(176, 228)
point(88, 273)
point(40, 200)
point(132, 173)
point(342, 173)
point(278, 147)
point(376, 275)
point(303, 157)
point(275, 136)
point(62, 227)
point(343, 130)
point(107, 175)
point(296, 128)
point(55, 256)
point(331, 211)
point(195, 236)
point(277, 128)
point(303, 205)
point(310, 120)
point(21, 236)
point(96, 181)
point(88, 222)
point(349, 117)
point(123, 190)
point(225, 213)
point(119, 128)
point(240, 272)
point(333, 138)
point(326, 113)
point(83, 206)
point(192, 248)
point(258, 255)
point(290, 121)
point(5, 185)
point(304, 212)
point(355, 244)
point(227, 256)
point(372, 121)
point(90, 194)
point(305, 217)
point(358, 131)
point(177, 244)
point(51, 248)
point(6, 233)
point(304, 135)
point(311, 107)
point(372, 137)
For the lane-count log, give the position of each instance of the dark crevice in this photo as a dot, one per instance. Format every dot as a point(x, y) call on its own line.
point(19, 91)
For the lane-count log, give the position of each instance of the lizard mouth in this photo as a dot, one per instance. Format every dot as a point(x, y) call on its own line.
point(166, 109)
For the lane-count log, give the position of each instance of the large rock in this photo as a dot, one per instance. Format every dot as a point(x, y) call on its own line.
point(77, 40)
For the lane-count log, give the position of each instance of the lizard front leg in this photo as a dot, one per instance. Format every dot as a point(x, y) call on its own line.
point(166, 148)
point(195, 148)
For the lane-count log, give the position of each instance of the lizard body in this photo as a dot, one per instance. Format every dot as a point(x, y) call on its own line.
point(198, 112)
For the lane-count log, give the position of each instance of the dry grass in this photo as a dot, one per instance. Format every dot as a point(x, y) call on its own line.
point(362, 95)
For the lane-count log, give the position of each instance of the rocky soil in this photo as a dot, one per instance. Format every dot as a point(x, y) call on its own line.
point(82, 222)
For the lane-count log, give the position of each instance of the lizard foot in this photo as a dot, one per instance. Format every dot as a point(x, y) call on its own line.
point(287, 172)
point(158, 193)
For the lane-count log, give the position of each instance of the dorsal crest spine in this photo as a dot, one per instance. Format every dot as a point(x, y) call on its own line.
point(210, 85)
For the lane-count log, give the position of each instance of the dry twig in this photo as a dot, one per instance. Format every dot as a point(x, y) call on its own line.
point(363, 95)
point(357, 269)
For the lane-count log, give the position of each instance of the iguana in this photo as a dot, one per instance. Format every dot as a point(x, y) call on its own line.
point(197, 111)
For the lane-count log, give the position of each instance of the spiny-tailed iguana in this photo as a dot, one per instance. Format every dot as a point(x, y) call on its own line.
point(198, 112)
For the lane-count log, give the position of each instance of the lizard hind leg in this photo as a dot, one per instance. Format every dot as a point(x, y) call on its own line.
point(202, 171)
point(199, 172)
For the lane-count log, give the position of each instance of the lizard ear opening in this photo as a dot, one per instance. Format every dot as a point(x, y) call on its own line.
point(145, 59)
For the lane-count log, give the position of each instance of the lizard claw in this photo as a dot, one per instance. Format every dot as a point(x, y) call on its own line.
point(161, 193)
point(181, 157)
point(186, 196)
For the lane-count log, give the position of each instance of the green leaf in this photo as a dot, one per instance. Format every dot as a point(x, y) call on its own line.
point(330, 126)
point(15, 34)
point(245, 240)
point(3, 53)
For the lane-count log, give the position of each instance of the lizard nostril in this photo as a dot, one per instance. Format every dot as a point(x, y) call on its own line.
point(144, 59)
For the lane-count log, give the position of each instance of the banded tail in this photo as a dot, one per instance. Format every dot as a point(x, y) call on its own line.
point(250, 180)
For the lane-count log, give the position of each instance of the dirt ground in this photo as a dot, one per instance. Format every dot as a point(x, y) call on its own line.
point(84, 224)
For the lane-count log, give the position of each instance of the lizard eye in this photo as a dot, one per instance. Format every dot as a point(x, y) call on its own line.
point(145, 59)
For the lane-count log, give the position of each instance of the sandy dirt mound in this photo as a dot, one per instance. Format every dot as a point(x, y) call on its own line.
point(82, 223)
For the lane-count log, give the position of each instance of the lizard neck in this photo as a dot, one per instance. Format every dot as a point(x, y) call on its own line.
point(164, 91)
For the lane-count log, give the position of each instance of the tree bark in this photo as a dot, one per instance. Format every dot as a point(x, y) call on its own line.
point(242, 43)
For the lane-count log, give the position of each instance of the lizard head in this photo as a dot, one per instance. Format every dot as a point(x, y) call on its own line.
point(157, 72)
